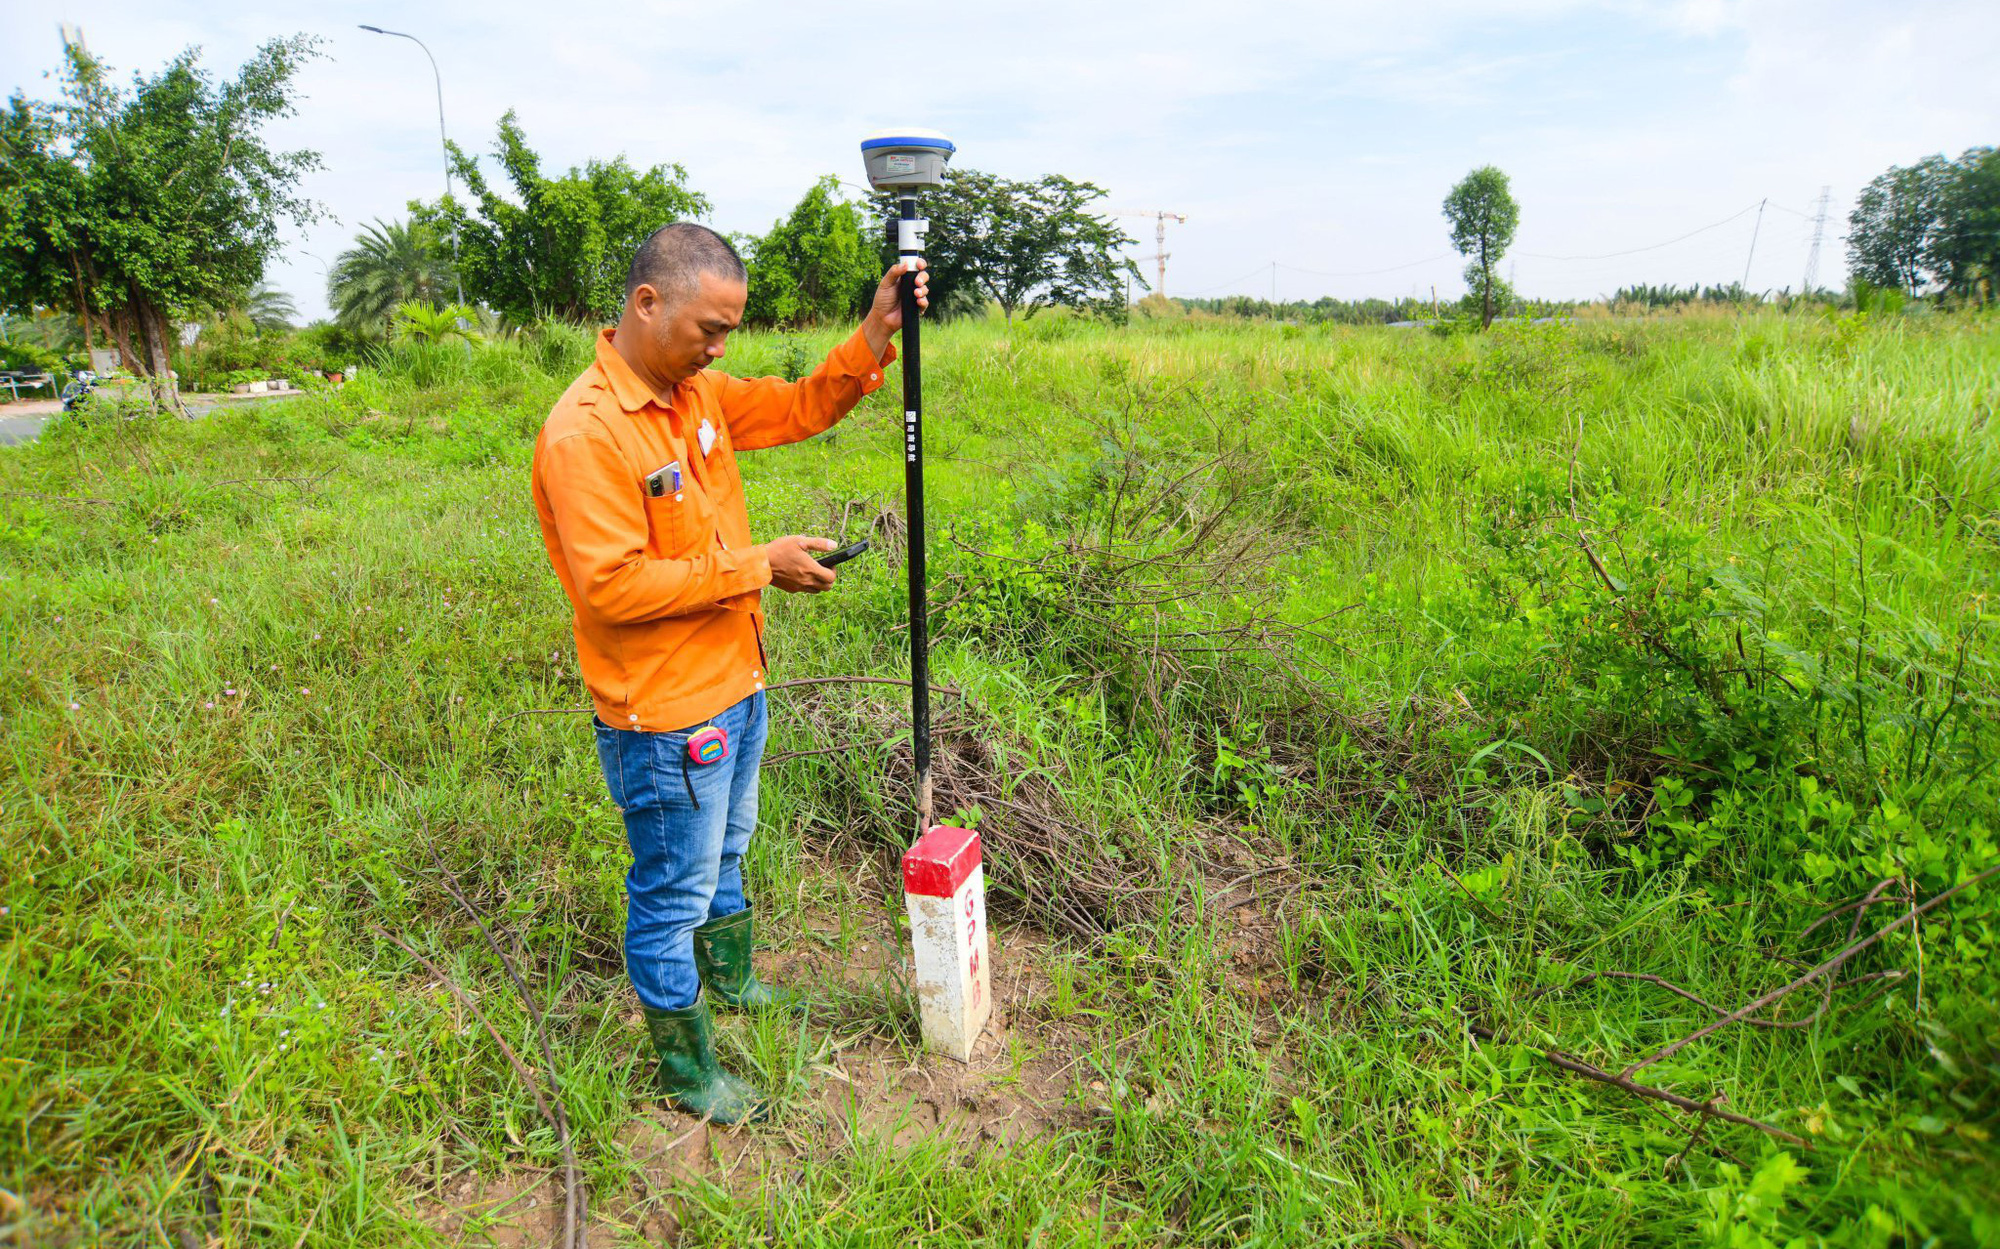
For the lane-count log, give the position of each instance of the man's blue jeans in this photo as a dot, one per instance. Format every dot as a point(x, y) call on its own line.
point(686, 858)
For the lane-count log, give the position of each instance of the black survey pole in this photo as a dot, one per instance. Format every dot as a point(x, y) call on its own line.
point(901, 162)
point(910, 236)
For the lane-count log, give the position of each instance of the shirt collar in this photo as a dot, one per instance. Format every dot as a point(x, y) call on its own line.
point(632, 393)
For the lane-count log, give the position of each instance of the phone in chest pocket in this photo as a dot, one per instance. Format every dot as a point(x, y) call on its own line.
point(664, 480)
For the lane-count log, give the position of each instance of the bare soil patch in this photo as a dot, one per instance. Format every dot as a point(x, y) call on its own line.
point(870, 1081)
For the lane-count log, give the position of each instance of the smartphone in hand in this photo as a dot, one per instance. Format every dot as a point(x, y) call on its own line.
point(833, 559)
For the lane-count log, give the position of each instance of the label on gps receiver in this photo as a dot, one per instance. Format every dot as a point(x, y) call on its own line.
point(899, 162)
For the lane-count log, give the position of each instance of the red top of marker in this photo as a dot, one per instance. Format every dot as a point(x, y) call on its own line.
point(940, 861)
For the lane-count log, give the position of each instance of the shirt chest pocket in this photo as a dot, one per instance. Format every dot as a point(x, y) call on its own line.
point(680, 524)
point(724, 483)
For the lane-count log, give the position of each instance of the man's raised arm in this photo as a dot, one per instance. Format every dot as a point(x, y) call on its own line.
point(770, 411)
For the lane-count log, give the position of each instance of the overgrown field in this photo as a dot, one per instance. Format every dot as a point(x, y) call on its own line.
point(1358, 720)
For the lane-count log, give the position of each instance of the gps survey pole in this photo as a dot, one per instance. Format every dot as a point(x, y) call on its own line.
point(944, 878)
point(902, 161)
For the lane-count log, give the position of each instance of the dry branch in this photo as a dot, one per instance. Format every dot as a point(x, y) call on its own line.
point(1663, 983)
point(1710, 1109)
point(842, 748)
point(1467, 891)
point(78, 499)
point(1622, 600)
point(1746, 1013)
point(465, 999)
point(947, 690)
point(1832, 964)
point(301, 484)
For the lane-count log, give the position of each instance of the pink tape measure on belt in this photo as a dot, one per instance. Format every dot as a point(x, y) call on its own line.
point(708, 745)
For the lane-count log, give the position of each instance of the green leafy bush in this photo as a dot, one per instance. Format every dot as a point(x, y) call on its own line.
point(1719, 716)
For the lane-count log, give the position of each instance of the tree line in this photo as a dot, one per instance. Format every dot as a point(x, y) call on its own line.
point(556, 248)
point(133, 209)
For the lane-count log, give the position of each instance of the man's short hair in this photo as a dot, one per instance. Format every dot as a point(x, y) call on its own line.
point(673, 258)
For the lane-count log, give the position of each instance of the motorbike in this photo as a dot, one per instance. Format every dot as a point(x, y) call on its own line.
point(78, 390)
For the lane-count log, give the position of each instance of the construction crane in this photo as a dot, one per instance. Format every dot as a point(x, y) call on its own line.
point(1160, 220)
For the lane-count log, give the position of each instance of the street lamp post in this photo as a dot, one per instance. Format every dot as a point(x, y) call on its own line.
point(444, 146)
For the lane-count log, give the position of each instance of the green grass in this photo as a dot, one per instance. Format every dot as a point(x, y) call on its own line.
point(258, 661)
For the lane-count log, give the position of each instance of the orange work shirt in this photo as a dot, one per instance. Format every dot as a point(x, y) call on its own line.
point(666, 589)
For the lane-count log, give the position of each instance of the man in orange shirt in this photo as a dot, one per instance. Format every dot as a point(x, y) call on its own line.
point(643, 515)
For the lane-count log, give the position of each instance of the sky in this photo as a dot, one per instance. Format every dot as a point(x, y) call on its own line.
point(1310, 146)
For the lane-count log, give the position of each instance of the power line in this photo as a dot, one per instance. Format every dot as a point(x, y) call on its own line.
point(1368, 273)
point(1231, 282)
point(1273, 266)
point(1650, 247)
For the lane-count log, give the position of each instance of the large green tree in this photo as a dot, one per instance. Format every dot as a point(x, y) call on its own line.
point(1483, 217)
point(1934, 224)
point(1964, 250)
point(391, 263)
point(1024, 245)
point(557, 247)
point(1889, 232)
point(813, 265)
point(128, 206)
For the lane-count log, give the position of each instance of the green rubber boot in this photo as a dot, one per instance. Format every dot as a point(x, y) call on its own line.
point(689, 1075)
point(722, 956)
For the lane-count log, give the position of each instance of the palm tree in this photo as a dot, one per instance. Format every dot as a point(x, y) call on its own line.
point(391, 263)
point(269, 308)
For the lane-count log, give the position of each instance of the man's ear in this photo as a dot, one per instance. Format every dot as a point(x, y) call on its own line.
point(646, 302)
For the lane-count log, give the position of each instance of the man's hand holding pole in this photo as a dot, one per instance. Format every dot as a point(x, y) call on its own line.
point(885, 313)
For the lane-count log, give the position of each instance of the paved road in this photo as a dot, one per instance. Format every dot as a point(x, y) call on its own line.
point(23, 421)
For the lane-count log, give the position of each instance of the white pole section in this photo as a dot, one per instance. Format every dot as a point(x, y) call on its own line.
point(944, 887)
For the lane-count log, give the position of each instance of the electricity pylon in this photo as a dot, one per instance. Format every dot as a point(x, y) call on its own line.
point(1819, 229)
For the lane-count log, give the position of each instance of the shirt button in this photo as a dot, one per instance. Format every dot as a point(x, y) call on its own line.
point(756, 672)
point(874, 377)
point(634, 719)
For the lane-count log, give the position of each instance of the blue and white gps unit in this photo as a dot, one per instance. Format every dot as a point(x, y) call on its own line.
point(909, 157)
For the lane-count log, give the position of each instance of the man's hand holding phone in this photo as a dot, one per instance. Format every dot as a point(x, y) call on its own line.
point(793, 568)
